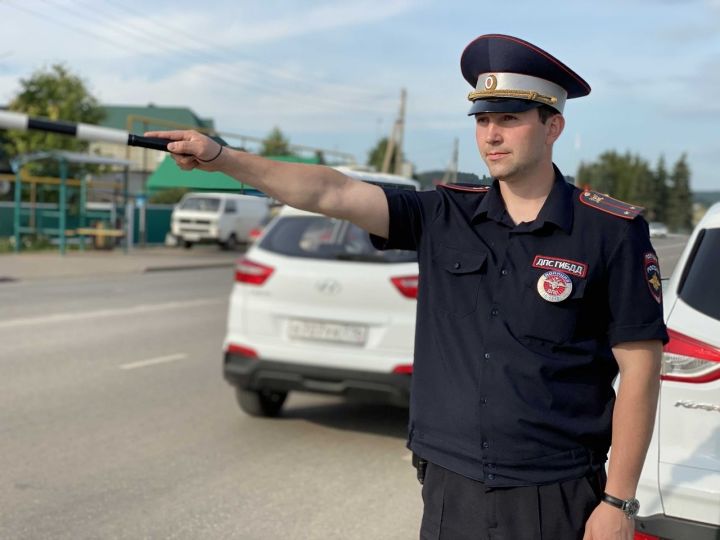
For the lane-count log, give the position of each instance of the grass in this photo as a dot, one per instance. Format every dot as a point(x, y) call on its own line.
point(29, 243)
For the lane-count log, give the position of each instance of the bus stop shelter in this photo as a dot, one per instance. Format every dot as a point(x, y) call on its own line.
point(64, 158)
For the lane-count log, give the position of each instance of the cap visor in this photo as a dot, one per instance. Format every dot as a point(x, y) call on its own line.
point(502, 105)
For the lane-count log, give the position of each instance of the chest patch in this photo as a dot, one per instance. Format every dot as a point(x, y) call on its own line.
point(554, 286)
point(573, 268)
point(652, 275)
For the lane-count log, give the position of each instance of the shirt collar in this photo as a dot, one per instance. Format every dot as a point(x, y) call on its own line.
point(557, 209)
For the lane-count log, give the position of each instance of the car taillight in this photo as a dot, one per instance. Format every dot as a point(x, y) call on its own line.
point(645, 536)
point(254, 234)
point(241, 350)
point(686, 359)
point(403, 369)
point(407, 285)
point(252, 273)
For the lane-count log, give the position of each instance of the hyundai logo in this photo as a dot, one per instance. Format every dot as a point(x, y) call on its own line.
point(328, 286)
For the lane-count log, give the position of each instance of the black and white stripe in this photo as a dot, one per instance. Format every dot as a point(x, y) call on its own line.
point(86, 132)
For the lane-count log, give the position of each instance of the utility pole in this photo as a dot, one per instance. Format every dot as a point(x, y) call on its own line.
point(451, 173)
point(395, 142)
point(400, 134)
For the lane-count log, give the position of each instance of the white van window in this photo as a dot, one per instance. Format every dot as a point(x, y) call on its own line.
point(202, 204)
point(230, 207)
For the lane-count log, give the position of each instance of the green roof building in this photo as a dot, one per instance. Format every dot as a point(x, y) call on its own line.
point(137, 119)
point(169, 176)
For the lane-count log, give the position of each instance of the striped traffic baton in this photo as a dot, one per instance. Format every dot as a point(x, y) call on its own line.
point(85, 132)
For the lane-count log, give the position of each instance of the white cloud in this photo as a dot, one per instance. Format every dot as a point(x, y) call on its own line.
point(309, 19)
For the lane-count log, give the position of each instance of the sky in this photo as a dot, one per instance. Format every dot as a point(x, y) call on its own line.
point(329, 73)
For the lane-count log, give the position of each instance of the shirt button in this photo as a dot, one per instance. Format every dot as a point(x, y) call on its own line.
point(486, 445)
point(491, 466)
point(504, 272)
point(456, 266)
point(491, 476)
point(483, 401)
point(487, 356)
point(494, 312)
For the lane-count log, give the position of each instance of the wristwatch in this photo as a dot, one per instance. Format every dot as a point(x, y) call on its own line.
point(629, 506)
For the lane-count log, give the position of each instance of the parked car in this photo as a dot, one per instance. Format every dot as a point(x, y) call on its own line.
point(316, 308)
point(680, 484)
point(222, 218)
point(658, 230)
point(259, 227)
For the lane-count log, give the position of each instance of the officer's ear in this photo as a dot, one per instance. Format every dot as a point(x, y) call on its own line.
point(555, 125)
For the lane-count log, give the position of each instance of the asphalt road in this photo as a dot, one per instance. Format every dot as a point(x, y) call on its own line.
point(115, 423)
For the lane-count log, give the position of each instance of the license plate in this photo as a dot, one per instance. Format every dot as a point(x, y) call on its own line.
point(191, 237)
point(324, 331)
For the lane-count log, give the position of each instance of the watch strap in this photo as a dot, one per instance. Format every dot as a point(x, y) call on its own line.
point(613, 501)
point(629, 507)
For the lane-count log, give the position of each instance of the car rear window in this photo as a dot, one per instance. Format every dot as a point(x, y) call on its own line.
point(700, 287)
point(202, 204)
point(318, 237)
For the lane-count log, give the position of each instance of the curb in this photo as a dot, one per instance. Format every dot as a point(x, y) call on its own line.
point(147, 269)
point(200, 266)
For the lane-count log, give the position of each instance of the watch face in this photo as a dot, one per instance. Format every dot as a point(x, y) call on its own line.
point(631, 507)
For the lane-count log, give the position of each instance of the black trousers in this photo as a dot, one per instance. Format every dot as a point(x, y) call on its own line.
point(457, 508)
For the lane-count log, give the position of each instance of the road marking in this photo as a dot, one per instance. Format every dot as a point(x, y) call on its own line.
point(105, 313)
point(154, 361)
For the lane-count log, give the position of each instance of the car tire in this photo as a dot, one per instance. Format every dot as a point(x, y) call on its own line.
point(262, 403)
point(230, 244)
point(187, 244)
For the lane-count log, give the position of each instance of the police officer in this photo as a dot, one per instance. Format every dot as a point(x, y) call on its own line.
point(533, 295)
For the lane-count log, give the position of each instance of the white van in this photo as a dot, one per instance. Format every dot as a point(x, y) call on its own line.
point(222, 218)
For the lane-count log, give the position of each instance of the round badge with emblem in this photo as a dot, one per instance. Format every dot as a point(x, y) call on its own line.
point(554, 286)
point(491, 83)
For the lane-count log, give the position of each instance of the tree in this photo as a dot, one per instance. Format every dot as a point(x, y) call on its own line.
point(680, 198)
point(57, 94)
point(275, 144)
point(376, 155)
point(660, 192)
point(625, 177)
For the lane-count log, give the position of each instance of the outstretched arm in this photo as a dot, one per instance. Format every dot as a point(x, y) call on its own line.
point(309, 187)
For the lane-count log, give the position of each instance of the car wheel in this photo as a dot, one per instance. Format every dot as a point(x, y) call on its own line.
point(264, 403)
point(230, 244)
point(187, 244)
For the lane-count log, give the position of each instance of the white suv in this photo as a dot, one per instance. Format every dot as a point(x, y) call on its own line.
point(316, 308)
point(680, 483)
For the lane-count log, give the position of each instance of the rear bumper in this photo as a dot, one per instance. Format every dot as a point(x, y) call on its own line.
point(676, 529)
point(255, 374)
point(198, 237)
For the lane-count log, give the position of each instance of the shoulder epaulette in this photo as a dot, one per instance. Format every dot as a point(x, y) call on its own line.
point(469, 188)
point(605, 203)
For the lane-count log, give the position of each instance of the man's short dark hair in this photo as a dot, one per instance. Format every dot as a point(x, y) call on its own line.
point(545, 112)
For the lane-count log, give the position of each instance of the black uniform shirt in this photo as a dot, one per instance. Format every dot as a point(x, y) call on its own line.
point(513, 369)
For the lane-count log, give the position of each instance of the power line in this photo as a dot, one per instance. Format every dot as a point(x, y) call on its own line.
point(235, 81)
point(233, 56)
point(239, 80)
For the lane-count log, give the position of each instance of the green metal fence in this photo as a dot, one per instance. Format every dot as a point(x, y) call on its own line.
point(157, 220)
